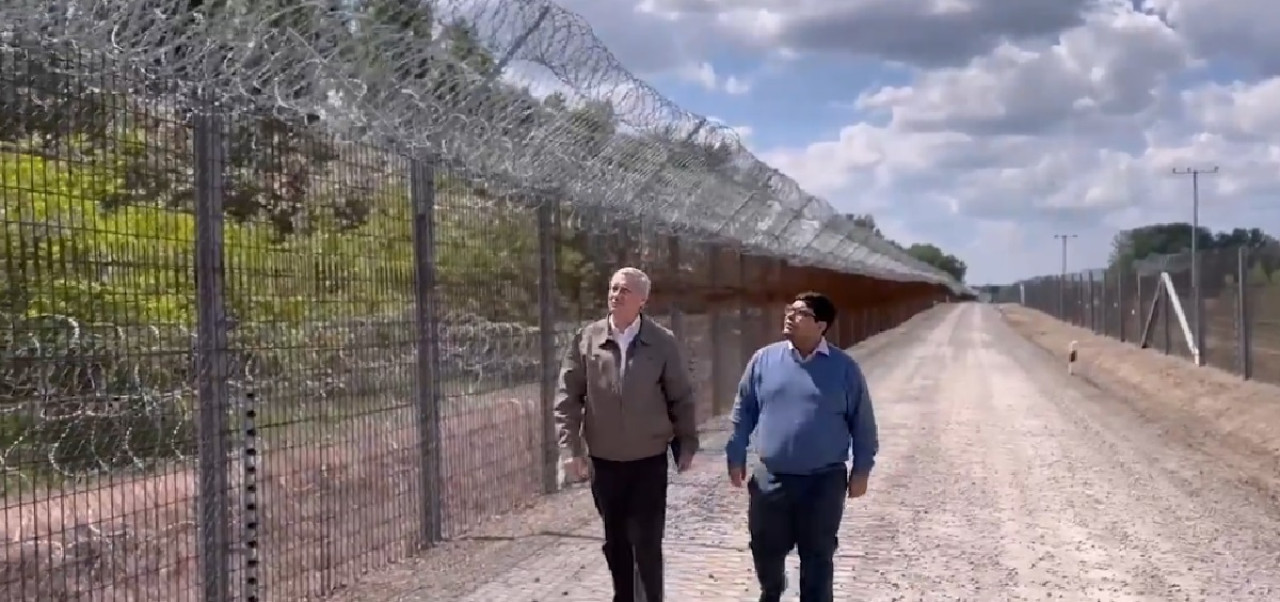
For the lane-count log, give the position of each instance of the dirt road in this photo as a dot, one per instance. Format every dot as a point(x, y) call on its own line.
point(1000, 478)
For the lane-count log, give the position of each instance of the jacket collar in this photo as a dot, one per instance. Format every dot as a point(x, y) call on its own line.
point(600, 331)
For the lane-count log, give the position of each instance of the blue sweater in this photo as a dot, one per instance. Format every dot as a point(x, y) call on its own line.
point(806, 415)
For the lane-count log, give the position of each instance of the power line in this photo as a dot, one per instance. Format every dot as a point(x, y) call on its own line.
point(1062, 279)
point(1196, 296)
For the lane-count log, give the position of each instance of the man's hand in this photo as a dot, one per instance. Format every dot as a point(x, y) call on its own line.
point(685, 463)
point(576, 470)
point(737, 475)
point(858, 485)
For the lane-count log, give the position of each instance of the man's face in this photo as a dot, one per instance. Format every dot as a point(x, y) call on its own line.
point(624, 299)
point(798, 322)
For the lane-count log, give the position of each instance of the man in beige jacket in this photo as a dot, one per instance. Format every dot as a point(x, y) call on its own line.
point(624, 397)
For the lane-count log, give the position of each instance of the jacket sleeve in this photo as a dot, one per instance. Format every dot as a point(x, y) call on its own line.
point(570, 400)
point(681, 405)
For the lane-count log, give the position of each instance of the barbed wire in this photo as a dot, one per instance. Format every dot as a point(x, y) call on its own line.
point(319, 104)
point(80, 394)
point(466, 82)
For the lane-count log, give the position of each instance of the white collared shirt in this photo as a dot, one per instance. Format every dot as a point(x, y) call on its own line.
point(822, 348)
point(623, 338)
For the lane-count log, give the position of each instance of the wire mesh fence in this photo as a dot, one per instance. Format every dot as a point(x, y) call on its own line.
point(284, 285)
point(1238, 297)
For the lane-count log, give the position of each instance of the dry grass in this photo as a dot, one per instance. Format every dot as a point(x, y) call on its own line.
point(331, 512)
point(1234, 420)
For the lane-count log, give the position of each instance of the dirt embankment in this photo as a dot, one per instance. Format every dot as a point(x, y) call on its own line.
point(1234, 420)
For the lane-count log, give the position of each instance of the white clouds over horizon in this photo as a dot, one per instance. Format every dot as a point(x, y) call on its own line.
point(1014, 119)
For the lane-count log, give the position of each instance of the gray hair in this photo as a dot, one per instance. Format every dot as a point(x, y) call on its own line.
point(639, 280)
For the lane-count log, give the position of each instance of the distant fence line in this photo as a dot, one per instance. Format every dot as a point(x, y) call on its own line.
point(1238, 298)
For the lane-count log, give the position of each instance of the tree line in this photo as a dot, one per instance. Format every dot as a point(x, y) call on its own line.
point(1135, 245)
point(1163, 241)
point(928, 253)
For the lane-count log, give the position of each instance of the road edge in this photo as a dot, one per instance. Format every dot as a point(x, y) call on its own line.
point(1257, 466)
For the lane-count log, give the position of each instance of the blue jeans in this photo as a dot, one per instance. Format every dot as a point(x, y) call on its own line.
point(801, 512)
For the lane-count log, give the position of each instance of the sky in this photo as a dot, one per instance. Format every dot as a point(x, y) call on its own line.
point(984, 126)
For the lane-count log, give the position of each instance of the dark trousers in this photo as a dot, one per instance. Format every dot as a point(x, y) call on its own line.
point(631, 498)
point(804, 512)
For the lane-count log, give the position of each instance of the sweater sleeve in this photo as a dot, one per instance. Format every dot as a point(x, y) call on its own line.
point(860, 415)
point(746, 412)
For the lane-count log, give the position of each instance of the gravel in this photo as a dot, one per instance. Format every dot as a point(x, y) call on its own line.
point(1000, 478)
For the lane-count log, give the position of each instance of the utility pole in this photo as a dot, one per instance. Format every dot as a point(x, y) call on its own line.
point(1197, 299)
point(1062, 279)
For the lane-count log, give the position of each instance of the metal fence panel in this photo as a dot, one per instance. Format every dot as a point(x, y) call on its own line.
point(111, 403)
point(1241, 315)
point(1263, 291)
point(265, 330)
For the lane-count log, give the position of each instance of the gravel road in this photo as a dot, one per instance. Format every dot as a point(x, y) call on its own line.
point(1000, 478)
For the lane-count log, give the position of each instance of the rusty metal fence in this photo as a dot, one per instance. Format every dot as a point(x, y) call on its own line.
point(261, 335)
point(1238, 296)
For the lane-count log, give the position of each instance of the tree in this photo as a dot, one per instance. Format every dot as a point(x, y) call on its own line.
point(1141, 243)
point(935, 257)
point(1154, 240)
point(865, 220)
point(1250, 238)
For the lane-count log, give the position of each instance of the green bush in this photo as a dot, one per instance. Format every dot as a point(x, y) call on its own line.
point(98, 290)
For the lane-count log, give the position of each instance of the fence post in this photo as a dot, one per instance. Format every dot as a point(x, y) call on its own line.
point(1069, 294)
point(1244, 325)
point(745, 336)
point(422, 193)
point(1166, 307)
point(1091, 292)
point(1062, 299)
point(1105, 305)
point(1061, 305)
point(547, 328)
point(677, 288)
point(213, 513)
point(1070, 284)
point(1197, 300)
point(1086, 300)
point(1137, 293)
point(1122, 322)
point(1080, 291)
point(716, 319)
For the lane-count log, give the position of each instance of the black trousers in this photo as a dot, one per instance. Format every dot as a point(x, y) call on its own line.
point(631, 498)
point(796, 511)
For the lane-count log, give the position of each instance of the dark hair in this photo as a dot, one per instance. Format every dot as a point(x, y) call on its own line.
point(823, 309)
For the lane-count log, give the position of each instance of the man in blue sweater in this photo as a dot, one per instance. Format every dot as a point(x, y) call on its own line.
point(807, 404)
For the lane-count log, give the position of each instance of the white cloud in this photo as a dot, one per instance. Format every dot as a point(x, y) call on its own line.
point(735, 86)
point(1018, 119)
point(1076, 134)
point(1113, 65)
point(704, 74)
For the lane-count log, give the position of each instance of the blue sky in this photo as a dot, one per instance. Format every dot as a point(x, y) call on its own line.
point(785, 106)
point(983, 126)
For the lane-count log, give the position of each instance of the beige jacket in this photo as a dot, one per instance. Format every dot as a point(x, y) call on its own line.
point(635, 417)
